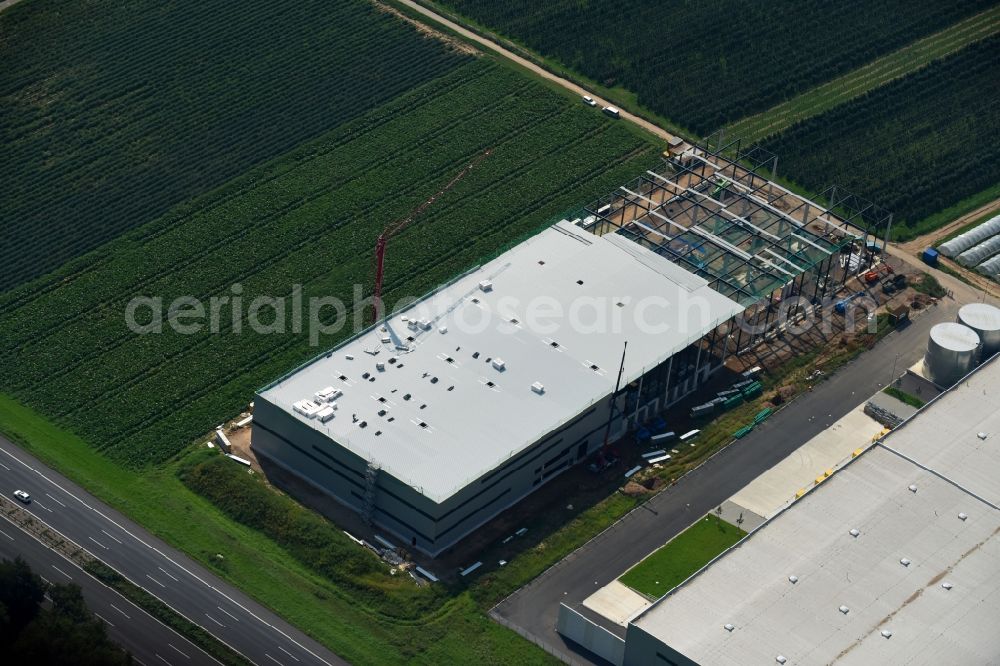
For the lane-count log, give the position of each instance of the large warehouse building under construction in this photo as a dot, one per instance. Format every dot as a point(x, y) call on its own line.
point(450, 411)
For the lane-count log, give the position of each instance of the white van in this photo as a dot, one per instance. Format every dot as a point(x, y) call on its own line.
point(589, 101)
point(612, 111)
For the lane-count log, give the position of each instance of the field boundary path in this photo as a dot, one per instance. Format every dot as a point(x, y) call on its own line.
point(877, 73)
point(533, 67)
point(533, 609)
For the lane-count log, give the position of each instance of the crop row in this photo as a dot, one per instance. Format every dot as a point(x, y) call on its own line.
point(915, 146)
point(705, 64)
point(110, 126)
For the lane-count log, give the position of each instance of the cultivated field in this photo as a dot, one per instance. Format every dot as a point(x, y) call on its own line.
point(914, 146)
point(311, 218)
point(112, 113)
point(704, 65)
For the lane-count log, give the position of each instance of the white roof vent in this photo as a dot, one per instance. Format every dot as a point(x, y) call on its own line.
point(912, 488)
point(412, 324)
point(905, 561)
point(538, 388)
point(982, 435)
point(326, 413)
point(854, 532)
point(793, 579)
point(946, 585)
point(328, 394)
point(498, 364)
point(886, 633)
point(780, 659)
point(442, 329)
point(306, 408)
point(485, 285)
point(386, 339)
point(425, 324)
point(728, 627)
point(963, 516)
point(844, 609)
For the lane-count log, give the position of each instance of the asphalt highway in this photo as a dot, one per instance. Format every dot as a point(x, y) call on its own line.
point(148, 640)
point(534, 609)
point(187, 587)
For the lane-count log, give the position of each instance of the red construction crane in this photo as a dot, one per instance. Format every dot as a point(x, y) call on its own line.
point(399, 225)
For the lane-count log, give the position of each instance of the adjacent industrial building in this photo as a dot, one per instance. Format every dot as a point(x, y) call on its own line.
point(895, 559)
point(451, 410)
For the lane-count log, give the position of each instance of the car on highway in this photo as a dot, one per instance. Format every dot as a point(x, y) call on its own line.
point(589, 101)
point(22, 496)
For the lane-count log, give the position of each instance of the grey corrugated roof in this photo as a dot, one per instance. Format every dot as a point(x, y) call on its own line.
point(953, 471)
point(473, 428)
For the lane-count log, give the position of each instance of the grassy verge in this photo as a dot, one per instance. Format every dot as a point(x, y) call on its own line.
point(904, 397)
point(928, 284)
point(683, 555)
point(868, 77)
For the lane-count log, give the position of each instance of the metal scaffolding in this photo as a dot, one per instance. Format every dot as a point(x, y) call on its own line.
point(719, 218)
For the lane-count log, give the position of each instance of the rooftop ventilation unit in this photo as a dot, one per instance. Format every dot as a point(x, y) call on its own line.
point(306, 408)
point(912, 488)
point(499, 364)
point(326, 413)
point(442, 329)
point(793, 579)
point(905, 561)
point(854, 532)
point(425, 324)
point(485, 285)
point(728, 627)
point(538, 388)
point(412, 324)
point(380, 366)
point(946, 585)
point(780, 659)
point(328, 394)
point(886, 633)
point(844, 609)
point(963, 516)
point(386, 339)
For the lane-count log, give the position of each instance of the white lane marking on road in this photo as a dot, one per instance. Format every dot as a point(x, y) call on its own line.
point(167, 557)
point(47, 581)
point(228, 613)
point(169, 574)
point(37, 503)
point(214, 620)
point(5, 467)
point(6, 535)
point(101, 617)
point(164, 660)
point(121, 611)
point(55, 500)
point(98, 542)
point(288, 653)
point(62, 572)
point(178, 650)
point(155, 581)
point(111, 535)
point(273, 659)
point(138, 661)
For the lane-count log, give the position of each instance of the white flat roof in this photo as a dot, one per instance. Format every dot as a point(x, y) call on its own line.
point(953, 471)
point(472, 427)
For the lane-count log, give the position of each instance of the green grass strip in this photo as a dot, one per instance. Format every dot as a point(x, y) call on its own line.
point(683, 555)
point(877, 73)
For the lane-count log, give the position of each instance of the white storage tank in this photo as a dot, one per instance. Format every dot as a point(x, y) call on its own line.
point(951, 352)
point(984, 319)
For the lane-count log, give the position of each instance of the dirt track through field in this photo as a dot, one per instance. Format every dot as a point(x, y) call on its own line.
point(536, 69)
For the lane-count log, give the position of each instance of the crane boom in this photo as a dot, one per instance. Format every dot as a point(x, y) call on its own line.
point(399, 225)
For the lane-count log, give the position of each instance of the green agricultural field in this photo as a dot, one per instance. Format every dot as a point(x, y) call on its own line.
point(112, 113)
point(689, 551)
point(706, 64)
point(914, 146)
point(309, 218)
